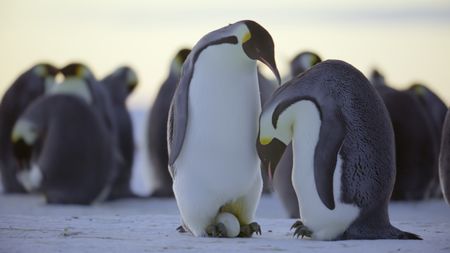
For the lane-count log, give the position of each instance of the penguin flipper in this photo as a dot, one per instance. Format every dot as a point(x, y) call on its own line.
point(332, 134)
point(178, 114)
point(176, 127)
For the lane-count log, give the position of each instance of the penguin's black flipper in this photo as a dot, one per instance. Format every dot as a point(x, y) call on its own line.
point(332, 134)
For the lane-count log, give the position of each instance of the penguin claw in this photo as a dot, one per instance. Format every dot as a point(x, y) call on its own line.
point(301, 230)
point(216, 230)
point(249, 229)
point(181, 229)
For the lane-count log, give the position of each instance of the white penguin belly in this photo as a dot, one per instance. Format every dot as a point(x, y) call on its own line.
point(325, 224)
point(219, 145)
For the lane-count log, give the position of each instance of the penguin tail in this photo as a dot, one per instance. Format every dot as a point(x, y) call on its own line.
point(408, 236)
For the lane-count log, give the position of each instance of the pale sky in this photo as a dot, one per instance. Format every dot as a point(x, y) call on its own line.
point(407, 40)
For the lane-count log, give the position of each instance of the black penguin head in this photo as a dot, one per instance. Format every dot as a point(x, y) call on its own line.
point(275, 133)
point(303, 62)
point(178, 61)
point(258, 45)
point(182, 55)
point(120, 83)
point(270, 153)
point(377, 79)
point(45, 70)
point(77, 70)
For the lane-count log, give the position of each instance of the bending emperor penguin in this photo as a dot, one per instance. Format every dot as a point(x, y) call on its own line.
point(64, 149)
point(212, 130)
point(157, 128)
point(343, 152)
point(28, 86)
point(120, 84)
point(444, 159)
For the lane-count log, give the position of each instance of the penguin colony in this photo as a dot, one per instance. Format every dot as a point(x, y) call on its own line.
point(334, 146)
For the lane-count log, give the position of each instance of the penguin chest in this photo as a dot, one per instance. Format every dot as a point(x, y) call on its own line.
point(222, 128)
point(325, 224)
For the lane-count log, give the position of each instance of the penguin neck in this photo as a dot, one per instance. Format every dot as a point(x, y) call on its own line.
point(74, 86)
point(305, 126)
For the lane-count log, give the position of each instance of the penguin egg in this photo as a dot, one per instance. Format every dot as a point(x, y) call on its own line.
point(230, 222)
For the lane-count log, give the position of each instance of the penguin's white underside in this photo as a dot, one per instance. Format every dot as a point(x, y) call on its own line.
point(218, 163)
point(31, 178)
point(326, 224)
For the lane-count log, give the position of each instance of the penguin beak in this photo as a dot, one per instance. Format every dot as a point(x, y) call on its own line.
point(77, 70)
point(270, 154)
point(258, 45)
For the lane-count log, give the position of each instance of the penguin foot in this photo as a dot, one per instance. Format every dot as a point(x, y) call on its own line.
point(181, 229)
point(216, 230)
point(301, 229)
point(249, 229)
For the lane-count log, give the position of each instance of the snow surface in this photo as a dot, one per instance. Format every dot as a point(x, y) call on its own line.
point(27, 224)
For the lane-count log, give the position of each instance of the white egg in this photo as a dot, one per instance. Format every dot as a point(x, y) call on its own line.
point(230, 222)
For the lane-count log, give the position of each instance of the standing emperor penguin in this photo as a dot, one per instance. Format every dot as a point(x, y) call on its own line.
point(444, 159)
point(343, 152)
point(282, 175)
point(157, 128)
point(212, 129)
point(80, 81)
point(416, 142)
point(120, 84)
point(28, 86)
point(436, 110)
point(64, 149)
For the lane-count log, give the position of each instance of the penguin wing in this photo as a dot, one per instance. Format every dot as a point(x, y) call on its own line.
point(178, 114)
point(177, 123)
point(331, 137)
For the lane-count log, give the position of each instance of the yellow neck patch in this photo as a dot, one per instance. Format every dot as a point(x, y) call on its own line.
point(246, 37)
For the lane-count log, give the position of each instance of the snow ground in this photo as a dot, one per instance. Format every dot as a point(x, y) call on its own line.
point(27, 224)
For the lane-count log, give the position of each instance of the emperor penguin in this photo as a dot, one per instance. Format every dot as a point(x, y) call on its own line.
point(30, 85)
point(157, 127)
point(343, 152)
point(282, 175)
point(212, 129)
point(64, 149)
point(80, 81)
point(436, 110)
point(416, 144)
point(444, 159)
point(119, 85)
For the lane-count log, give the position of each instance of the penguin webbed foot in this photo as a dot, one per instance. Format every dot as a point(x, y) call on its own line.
point(249, 229)
point(301, 229)
point(216, 230)
point(181, 229)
